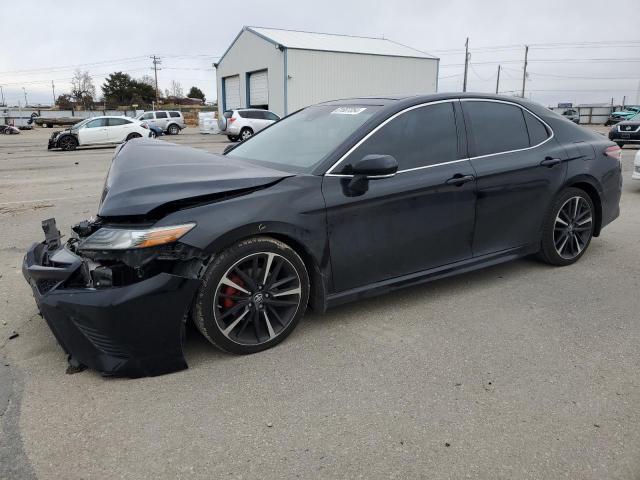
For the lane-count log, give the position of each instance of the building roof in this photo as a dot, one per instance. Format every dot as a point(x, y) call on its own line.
point(337, 43)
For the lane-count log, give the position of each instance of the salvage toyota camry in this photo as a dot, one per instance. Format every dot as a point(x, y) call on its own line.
point(336, 202)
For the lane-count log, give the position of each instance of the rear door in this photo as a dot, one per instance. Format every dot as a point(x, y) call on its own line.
point(94, 132)
point(162, 120)
point(519, 168)
point(118, 129)
point(418, 219)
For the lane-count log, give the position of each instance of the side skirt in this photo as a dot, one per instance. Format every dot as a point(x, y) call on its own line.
point(430, 275)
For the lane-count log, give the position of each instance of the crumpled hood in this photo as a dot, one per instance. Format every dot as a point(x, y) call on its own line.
point(148, 174)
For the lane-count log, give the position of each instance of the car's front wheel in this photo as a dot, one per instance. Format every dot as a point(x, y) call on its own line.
point(568, 228)
point(68, 143)
point(252, 296)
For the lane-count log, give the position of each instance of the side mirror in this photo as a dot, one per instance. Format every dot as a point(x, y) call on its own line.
point(375, 166)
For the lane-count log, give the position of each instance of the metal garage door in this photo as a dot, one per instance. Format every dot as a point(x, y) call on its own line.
point(259, 89)
point(231, 92)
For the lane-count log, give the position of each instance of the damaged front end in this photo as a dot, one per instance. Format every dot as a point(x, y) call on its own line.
point(116, 296)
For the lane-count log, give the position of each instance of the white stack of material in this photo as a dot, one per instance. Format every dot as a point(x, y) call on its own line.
point(208, 123)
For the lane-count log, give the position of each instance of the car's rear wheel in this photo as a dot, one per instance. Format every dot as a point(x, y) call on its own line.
point(568, 228)
point(252, 296)
point(232, 138)
point(68, 143)
point(133, 135)
point(173, 129)
point(246, 134)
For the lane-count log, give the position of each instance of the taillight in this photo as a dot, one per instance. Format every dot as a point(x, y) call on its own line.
point(232, 119)
point(144, 125)
point(614, 151)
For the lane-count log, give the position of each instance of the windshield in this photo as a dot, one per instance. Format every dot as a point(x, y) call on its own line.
point(301, 141)
point(80, 124)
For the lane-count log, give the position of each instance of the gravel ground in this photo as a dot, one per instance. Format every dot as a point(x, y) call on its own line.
point(516, 371)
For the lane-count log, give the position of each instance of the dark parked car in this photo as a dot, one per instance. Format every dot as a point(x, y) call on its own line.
point(627, 131)
point(336, 202)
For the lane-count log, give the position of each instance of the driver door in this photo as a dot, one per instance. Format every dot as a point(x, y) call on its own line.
point(421, 218)
point(94, 132)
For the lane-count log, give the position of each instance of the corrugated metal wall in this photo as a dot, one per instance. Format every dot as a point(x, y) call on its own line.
point(320, 76)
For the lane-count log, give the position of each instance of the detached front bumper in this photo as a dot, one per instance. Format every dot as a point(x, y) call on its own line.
point(129, 331)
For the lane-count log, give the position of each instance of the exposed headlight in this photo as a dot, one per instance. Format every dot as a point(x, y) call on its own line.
point(108, 238)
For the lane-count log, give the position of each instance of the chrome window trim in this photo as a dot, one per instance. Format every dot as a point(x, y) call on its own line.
point(450, 100)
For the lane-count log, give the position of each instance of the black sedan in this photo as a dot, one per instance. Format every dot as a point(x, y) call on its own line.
point(336, 202)
point(626, 132)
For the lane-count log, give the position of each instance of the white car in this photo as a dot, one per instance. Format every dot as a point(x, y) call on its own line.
point(636, 166)
point(170, 121)
point(241, 123)
point(98, 131)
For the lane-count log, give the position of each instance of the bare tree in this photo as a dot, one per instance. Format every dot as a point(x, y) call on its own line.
point(82, 89)
point(175, 90)
point(147, 80)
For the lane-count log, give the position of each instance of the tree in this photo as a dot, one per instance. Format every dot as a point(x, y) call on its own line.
point(147, 80)
point(195, 92)
point(175, 90)
point(120, 89)
point(65, 102)
point(82, 89)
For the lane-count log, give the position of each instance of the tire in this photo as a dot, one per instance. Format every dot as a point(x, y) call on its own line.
point(45, 125)
point(245, 134)
point(568, 228)
point(620, 144)
point(232, 138)
point(68, 143)
point(173, 129)
point(132, 135)
point(251, 319)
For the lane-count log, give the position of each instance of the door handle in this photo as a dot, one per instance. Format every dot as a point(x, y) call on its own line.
point(550, 162)
point(458, 179)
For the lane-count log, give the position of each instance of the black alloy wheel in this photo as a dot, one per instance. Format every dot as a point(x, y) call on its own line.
point(68, 143)
point(569, 228)
point(252, 296)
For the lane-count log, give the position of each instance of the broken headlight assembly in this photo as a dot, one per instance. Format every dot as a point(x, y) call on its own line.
point(109, 238)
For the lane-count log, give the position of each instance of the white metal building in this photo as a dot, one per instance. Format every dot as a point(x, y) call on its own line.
point(284, 70)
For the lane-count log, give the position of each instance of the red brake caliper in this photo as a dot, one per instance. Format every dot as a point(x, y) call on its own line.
point(227, 302)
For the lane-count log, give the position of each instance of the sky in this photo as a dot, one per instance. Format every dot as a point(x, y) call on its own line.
point(580, 50)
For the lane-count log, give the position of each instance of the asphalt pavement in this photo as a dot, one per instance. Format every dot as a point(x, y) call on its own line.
point(517, 371)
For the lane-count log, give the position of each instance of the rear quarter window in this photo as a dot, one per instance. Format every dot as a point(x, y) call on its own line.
point(538, 133)
point(174, 114)
point(497, 127)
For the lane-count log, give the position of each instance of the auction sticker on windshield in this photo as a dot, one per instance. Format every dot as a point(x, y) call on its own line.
point(348, 110)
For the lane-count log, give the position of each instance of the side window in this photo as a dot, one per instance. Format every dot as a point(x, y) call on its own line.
point(537, 131)
point(161, 114)
point(98, 122)
point(174, 114)
point(147, 116)
point(116, 122)
point(497, 127)
point(417, 138)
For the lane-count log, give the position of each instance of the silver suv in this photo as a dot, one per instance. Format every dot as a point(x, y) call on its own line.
point(169, 121)
point(241, 123)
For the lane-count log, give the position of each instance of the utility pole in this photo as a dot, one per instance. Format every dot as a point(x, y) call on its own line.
point(53, 88)
point(524, 73)
point(498, 80)
point(156, 62)
point(466, 64)
point(25, 97)
point(624, 101)
point(2, 95)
